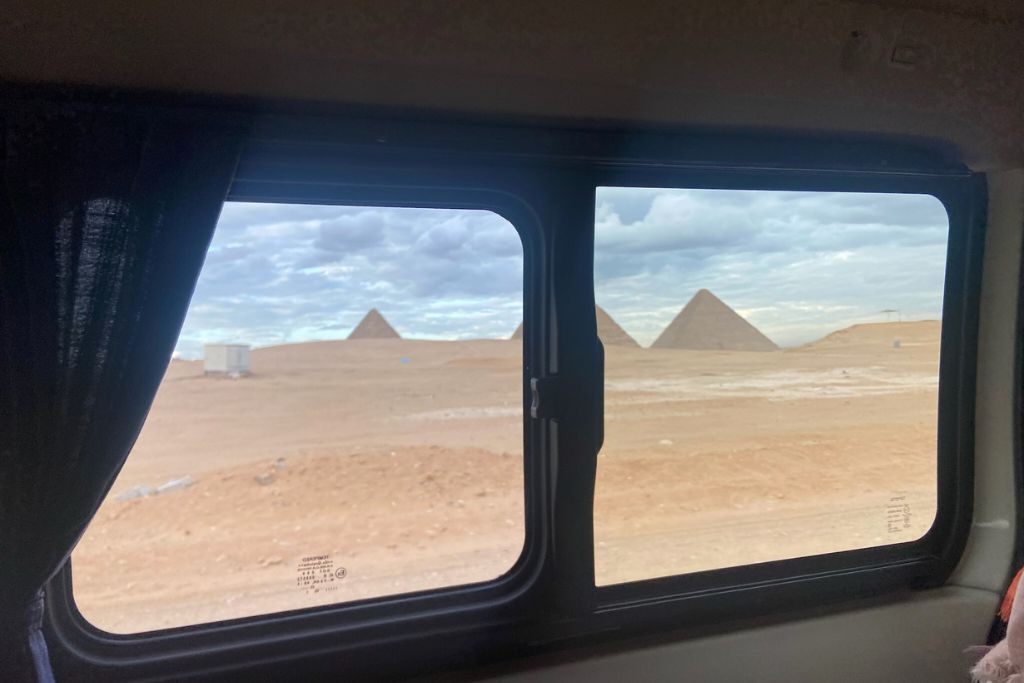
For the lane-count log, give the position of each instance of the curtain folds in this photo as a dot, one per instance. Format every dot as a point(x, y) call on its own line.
point(105, 218)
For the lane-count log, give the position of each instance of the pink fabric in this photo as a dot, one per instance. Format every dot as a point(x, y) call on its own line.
point(1004, 663)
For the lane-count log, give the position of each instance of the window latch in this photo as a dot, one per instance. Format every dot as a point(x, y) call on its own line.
point(546, 399)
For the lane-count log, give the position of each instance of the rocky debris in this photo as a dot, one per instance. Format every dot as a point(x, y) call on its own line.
point(143, 491)
point(139, 491)
point(174, 485)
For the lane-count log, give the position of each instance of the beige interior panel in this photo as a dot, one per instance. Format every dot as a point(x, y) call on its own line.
point(927, 68)
point(917, 640)
point(986, 561)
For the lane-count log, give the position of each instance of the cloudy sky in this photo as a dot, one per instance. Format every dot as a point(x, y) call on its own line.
point(280, 273)
point(797, 265)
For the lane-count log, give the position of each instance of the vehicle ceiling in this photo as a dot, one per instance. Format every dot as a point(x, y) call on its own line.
point(820, 65)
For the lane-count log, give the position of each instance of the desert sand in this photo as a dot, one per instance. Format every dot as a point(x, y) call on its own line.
point(345, 470)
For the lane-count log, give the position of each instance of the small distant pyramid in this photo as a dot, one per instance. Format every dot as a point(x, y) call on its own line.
point(707, 323)
point(374, 326)
point(608, 330)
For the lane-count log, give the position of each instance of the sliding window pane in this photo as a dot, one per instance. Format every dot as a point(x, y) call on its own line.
point(342, 421)
point(771, 375)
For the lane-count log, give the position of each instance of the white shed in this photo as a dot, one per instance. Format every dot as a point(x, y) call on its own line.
point(226, 359)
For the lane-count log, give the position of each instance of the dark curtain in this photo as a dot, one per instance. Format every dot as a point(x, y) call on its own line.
point(105, 218)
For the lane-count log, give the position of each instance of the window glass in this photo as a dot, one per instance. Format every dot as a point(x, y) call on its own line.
point(771, 375)
point(342, 420)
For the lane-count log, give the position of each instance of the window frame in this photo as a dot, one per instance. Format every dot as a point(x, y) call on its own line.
point(929, 560)
point(542, 177)
point(390, 189)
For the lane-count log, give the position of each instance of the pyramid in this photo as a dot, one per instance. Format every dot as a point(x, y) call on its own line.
point(608, 330)
point(706, 322)
point(374, 326)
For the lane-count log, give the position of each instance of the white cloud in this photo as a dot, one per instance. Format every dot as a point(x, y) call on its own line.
point(797, 264)
point(279, 273)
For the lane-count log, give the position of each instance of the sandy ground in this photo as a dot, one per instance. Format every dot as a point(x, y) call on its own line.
point(345, 470)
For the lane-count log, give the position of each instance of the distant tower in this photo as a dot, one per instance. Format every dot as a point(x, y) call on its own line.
point(888, 314)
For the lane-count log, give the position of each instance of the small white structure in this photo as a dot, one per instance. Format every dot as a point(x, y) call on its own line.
point(226, 359)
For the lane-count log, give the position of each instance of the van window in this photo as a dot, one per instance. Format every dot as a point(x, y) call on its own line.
point(771, 366)
point(342, 420)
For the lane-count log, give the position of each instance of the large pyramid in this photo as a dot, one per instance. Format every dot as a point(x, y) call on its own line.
point(706, 322)
point(608, 330)
point(374, 326)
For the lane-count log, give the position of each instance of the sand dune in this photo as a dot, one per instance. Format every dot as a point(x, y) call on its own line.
point(401, 461)
point(874, 336)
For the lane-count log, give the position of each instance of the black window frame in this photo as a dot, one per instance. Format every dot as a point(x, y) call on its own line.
point(267, 176)
point(542, 177)
point(939, 549)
